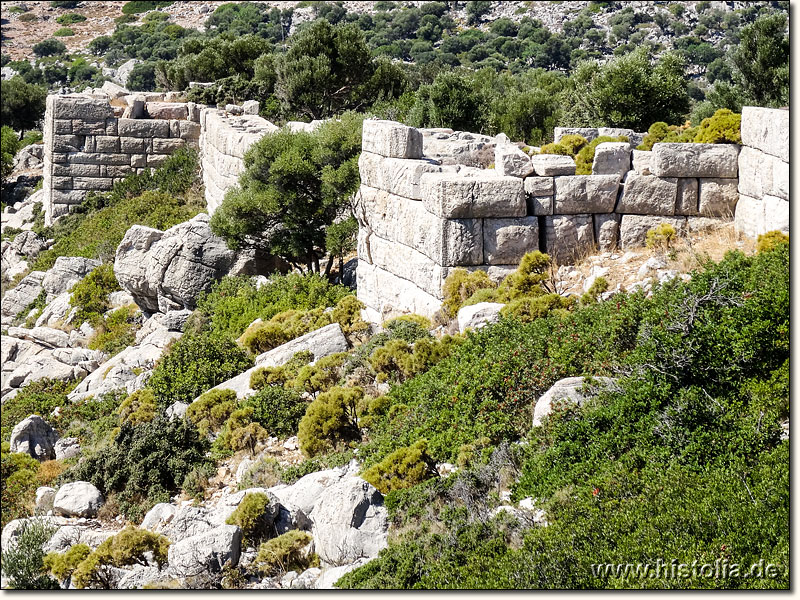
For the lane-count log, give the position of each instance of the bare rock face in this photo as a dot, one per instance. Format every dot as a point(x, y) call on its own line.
point(206, 553)
point(66, 272)
point(27, 290)
point(167, 270)
point(67, 448)
point(35, 437)
point(77, 499)
point(478, 315)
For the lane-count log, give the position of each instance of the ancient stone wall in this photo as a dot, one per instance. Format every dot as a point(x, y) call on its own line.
point(421, 217)
point(763, 171)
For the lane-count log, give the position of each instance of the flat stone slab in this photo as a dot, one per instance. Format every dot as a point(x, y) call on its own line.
point(695, 160)
point(455, 196)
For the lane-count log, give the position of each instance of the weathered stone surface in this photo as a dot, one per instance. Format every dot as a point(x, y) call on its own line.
point(569, 237)
point(77, 499)
point(648, 195)
point(168, 146)
point(780, 180)
point(549, 165)
point(445, 241)
point(394, 175)
point(616, 132)
point(588, 132)
point(114, 90)
point(510, 160)
point(776, 214)
point(321, 342)
point(454, 196)
point(695, 160)
point(749, 216)
point(176, 410)
point(328, 578)
point(641, 161)
point(350, 522)
point(766, 129)
point(79, 107)
point(35, 437)
point(158, 517)
point(306, 491)
point(388, 295)
point(539, 186)
point(206, 553)
point(65, 273)
point(143, 128)
point(26, 245)
point(612, 158)
point(506, 241)
point(633, 228)
point(44, 498)
point(478, 315)
point(17, 299)
point(166, 110)
point(581, 194)
point(606, 231)
point(718, 197)
point(171, 268)
point(68, 447)
point(572, 390)
point(686, 202)
point(391, 139)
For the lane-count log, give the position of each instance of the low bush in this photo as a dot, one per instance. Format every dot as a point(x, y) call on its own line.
point(140, 6)
point(63, 32)
point(403, 468)
point(724, 127)
point(19, 483)
point(117, 331)
point(37, 398)
point(9, 146)
point(554, 148)
point(287, 552)
point(330, 421)
point(90, 294)
point(49, 47)
point(460, 285)
point(771, 240)
point(63, 565)
point(660, 237)
point(23, 561)
point(246, 437)
point(573, 143)
point(321, 376)
point(278, 410)
point(139, 407)
point(210, 411)
point(196, 481)
point(252, 516)
point(70, 18)
point(265, 473)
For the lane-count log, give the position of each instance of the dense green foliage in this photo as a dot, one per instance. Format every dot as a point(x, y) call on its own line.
point(9, 145)
point(18, 483)
point(252, 517)
point(21, 103)
point(23, 561)
point(285, 553)
point(90, 294)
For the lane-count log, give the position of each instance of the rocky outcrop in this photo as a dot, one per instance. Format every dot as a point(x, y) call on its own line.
point(206, 553)
point(478, 315)
point(77, 499)
point(15, 256)
point(68, 447)
point(23, 295)
point(572, 390)
point(34, 436)
point(168, 270)
point(65, 273)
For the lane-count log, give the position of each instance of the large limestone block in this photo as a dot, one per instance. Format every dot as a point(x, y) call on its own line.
point(388, 295)
point(581, 194)
point(686, 202)
point(321, 342)
point(454, 196)
point(718, 197)
point(615, 132)
point(130, 266)
point(510, 160)
point(569, 391)
point(395, 175)
point(447, 242)
point(77, 499)
point(588, 132)
point(569, 237)
point(641, 161)
point(208, 552)
point(606, 231)
point(167, 110)
point(633, 228)
point(749, 216)
point(391, 139)
point(776, 214)
point(143, 128)
point(612, 158)
point(648, 195)
point(539, 186)
point(350, 522)
point(478, 315)
point(306, 491)
point(19, 298)
point(766, 129)
point(506, 241)
point(695, 160)
point(35, 437)
point(780, 179)
point(79, 107)
point(550, 165)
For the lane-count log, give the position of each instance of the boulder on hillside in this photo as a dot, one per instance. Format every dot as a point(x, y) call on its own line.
point(478, 315)
point(23, 295)
point(66, 272)
point(167, 270)
point(575, 390)
point(77, 499)
point(35, 437)
point(321, 342)
point(208, 552)
point(44, 498)
point(24, 247)
point(68, 447)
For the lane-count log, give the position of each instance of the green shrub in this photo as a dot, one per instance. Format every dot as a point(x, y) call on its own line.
point(28, 18)
point(265, 473)
point(573, 143)
point(117, 331)
point(660, 237)
point(287, 552)
point(140, 6)
point(531, 278)
point(210, 411)
point(527, 309)
point(139, 407)
point(771, 240)
point(19, 483)
point(90, 294)
point(403, 468)
point(278, 410)
point(460, 285)
point(247, 437)
point(585, 157)
point(252, 516)
point(70, 18)
point(725, 127)
point(9, 146)
point(330, 420)
point(23, 562)
point(196, 481)
point(194, 364)
point(63, 565)
point(63, 32)
point(37, 398)
point(283, 374)
point(599, 286)
point(656, 133)
point(554, 148)
point(322, 375)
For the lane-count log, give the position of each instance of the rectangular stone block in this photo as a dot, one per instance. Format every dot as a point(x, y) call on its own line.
point(67, 143)
point(188, 130)
point(92, 183)
point(581, 194)
point(755, 172)
point(133, 145)
point(395, 175)
point(111, 126)
point(648, 195)
point(718, 197)
point(77, 170)
point(686, 202)
point(81, 127)
point(94, 158)
point(776, 214)
point(62, 126)
point(143, 128)
point(59, 157)
point(612, 158)
point(81, 107)
point(641, 161)
point(506, 241)
point(549, 165)
point(588, 132)
point(138, 160)
point(780, 179)
point(389, 296)
point(511, 160)
point(391, 139)
point(167, 146)
point(454, 196)
point(606, 231)
point(695, 160)
point(633, 228)
point(749, 216)
point(89, 143)
point(106, 143)
point(569, 238)
point(766, 129)
point(166, 110)
point(118, 171)
point(156, 160)
point(62, 183)
point(539, 186)
point(68, 196)
point(446, 241)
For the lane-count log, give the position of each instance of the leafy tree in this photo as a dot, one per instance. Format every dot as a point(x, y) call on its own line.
point(450, 101)
point(476, 9)
point(142, 77)
point(49, 47)
point(762, 61)
point(330, 420)
point(294, 186)
point(9, 146)
point(23, 561)
point(21, 104)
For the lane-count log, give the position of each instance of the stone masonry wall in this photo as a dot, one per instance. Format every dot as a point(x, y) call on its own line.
point(763, 172)
point(420, 217)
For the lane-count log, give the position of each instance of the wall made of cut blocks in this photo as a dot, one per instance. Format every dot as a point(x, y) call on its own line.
point(88, 146)
point(422, 217)
point(763, 172)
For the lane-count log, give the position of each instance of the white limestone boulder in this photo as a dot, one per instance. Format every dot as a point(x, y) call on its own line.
point(633, 228)
point(718, 197)
point(208, 552)
point(572, 390)
point(65, 273)
point(68, 447)
point(506, 241)
point(20, 297)
point(77, 499)
point(478, 315)
point(510, 160)
point(320, 342)
point(35, 437)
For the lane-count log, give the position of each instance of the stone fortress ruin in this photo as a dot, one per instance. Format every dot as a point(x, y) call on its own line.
point(426, 205)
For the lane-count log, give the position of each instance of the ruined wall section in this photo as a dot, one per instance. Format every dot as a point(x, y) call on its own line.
point(763, 172)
